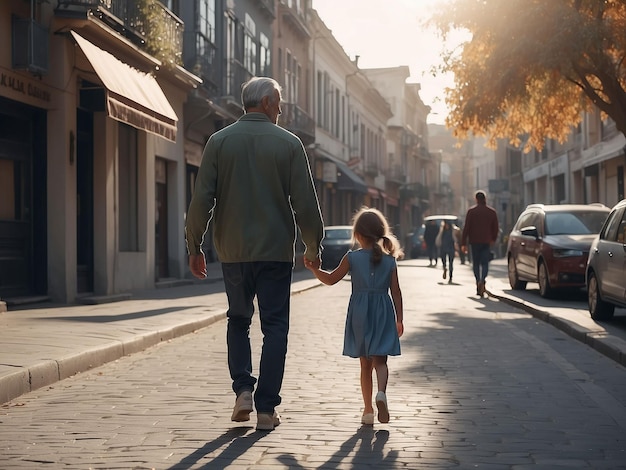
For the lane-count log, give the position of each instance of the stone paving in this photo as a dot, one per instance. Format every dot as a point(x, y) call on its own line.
point(479, 384)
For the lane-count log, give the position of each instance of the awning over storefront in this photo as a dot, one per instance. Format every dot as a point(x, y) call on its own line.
point(133, 97)
point(347, 180)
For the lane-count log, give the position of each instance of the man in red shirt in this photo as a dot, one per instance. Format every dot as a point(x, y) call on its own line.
point(481, 231)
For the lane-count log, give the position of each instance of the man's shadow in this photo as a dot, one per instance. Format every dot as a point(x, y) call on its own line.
point(238, 440)
point(369, 451)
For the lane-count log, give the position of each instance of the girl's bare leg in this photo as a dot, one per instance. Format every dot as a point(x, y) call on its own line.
point(382, 371)
point(382, 374)
point(367, 386)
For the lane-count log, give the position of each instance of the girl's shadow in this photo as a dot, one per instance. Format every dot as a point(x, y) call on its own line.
point(370, 449)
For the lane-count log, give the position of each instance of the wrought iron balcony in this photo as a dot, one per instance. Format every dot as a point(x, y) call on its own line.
point(236, 75)
point(149, 25)
point(268, 7)
point(396, 173)
point(414, 190)
point(371, 169)
point(298, 121)
point(297, 18)
point(202, 60)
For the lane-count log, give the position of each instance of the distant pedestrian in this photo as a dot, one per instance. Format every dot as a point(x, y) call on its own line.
point(481, 232)
point(430, 236)
point(255, 181)
point(374, 322)
point(449, 243)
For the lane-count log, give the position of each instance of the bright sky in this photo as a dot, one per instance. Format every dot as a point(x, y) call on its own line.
point(388, 34)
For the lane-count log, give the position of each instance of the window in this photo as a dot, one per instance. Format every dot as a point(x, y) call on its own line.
point(249, 45)
point(127, 188)
point(207, 19)
point(319, 96)
point(264, 55)
point(611, 231)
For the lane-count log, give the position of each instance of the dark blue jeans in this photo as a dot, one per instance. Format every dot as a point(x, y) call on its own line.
point(270, 282)
point(481, 255)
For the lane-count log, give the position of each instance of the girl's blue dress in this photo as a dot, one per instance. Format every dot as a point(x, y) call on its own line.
point(371, 321)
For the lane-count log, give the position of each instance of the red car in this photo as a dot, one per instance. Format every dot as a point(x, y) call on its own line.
point(550, 244)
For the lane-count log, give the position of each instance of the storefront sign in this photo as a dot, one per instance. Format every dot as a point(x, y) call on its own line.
point(12, 86)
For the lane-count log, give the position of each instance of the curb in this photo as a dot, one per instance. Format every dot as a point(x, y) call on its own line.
point(49, 371)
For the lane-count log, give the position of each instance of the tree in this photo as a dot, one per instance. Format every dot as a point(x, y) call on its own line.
point(532, 67)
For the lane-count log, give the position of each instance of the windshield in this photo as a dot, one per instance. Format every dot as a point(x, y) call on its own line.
point(574, 223)
point(338, 234)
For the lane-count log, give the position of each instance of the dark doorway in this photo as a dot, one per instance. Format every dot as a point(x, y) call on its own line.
point(84, 200)
point(23, 208)
point(160, 229)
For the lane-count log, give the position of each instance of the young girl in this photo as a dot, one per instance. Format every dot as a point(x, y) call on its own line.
point(374, 321)
point(450, 237)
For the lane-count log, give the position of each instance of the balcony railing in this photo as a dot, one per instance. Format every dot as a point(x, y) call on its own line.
point(296, 17)
point(202, 60)
point(371, 169)
point(268, 7)
point(147, 23)
point(296, 120)
point(236, 75)
point(396, 173)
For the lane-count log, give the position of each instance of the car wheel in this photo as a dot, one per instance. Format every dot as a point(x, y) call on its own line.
point(514, 280)
point(598, 308)
point(544, 281)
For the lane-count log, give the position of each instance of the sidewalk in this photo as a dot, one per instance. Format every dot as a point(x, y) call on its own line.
point(46, 343)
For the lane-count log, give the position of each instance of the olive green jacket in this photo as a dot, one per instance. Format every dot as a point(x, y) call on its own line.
point(256, 184)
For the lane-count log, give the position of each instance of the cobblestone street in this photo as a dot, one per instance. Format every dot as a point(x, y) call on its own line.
point(479, 385)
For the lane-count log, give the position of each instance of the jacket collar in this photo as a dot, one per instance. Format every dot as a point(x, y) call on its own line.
point(254, 117)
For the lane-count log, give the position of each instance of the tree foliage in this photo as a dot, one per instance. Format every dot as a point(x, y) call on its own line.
point(532, 67)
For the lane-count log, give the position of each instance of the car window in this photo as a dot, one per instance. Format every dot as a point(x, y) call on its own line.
point(574, 223)
point(615, 228)
point(535, 220)
point(621, 230)
point(609, 231)
point(338, 234)
point(523, 221)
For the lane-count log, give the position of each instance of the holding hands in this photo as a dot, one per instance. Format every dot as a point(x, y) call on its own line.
point(312, 265)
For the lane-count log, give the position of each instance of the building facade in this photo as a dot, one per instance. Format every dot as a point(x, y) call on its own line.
point(91, 126)
point(105, 108)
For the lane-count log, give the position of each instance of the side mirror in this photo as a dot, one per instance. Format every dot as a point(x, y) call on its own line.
point(530, 231)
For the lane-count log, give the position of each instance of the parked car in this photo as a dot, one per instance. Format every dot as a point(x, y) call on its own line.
point(606, 267)
point(336, 243)
point(417, 246)
point(549, 244)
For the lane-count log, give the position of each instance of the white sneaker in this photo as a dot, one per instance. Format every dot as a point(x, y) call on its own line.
point(243, 407)
point(367, 419)
point(267, 421)
point(381, 404)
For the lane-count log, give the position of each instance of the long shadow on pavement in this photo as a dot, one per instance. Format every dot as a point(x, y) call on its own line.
point(238, 440)
point(369, 445)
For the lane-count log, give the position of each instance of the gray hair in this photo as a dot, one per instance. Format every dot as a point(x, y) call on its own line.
point(255, 89)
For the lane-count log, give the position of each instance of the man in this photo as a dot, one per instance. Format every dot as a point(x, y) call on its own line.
point(255, 183)
point(481, 230)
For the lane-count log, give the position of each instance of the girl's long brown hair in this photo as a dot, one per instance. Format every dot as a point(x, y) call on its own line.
point(372, 225)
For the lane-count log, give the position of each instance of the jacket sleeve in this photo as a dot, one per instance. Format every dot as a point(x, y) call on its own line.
point(203, 200)
point(494, 227)
point(305, 204)
point(466, 226)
